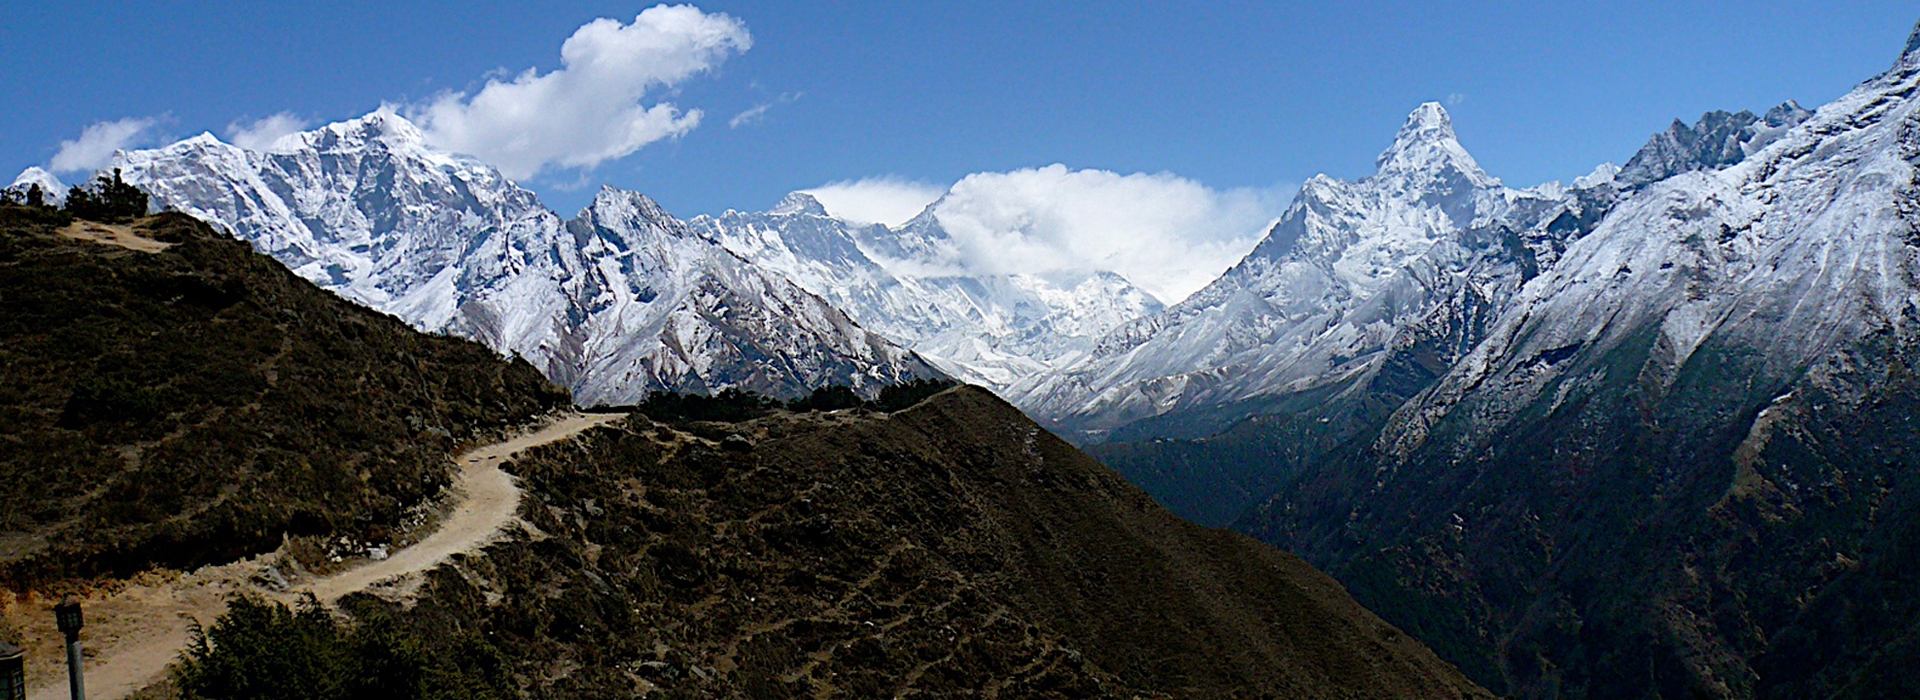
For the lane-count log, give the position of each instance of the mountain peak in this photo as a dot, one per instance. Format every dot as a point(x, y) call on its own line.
point(1428, 121)
point(1913, 42)
point(52, 190)
point(1788, 113)
point(614, 196)
point(799, 203)
point(37, 175)
point(1426, 143)
point(204, 138)
point(383, 125)
point(612, 204)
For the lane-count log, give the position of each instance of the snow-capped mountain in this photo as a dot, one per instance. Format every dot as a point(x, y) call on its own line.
point(993, 330)
point(1810, 238)
point(1682, 461)
point(1427, 243)
point(619, 301)
point(54, 191)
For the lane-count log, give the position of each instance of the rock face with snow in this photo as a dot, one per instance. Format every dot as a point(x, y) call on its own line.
point(1418, 254)
point(1682, 461)
point(617, 302)
point(992, 330)
point(1717, 140)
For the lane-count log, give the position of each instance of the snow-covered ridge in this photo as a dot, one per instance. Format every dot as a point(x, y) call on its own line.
point(1717, 140)
point(1803, 248)
point(619, 301)
point(1350, 267)
point(993, 330)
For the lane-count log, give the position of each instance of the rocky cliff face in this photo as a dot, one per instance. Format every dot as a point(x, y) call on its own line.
point(1717, 140)
point(620, 301)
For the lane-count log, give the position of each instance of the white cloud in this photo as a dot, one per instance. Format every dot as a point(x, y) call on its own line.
point(261, 133)
point(876, 200)
point(1454, 99)
point(754, 115)
point(590, 110)
point(1168, 234)
point(95, 147)
point(751, 115)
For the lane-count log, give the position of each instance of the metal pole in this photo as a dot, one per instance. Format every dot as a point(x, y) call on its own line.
point(74, 680)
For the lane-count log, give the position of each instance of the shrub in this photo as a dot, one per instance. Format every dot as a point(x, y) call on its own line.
point(828, 398)
point(261, 649)
point(729, 406)
point(107, 199)
point(896, 397)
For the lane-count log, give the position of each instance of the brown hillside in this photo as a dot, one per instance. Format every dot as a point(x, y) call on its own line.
point(954, 548)
point(169, 397)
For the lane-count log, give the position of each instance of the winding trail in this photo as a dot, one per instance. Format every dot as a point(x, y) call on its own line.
point(135, 630)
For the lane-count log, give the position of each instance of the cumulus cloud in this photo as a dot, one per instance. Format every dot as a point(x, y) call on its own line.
point(1168, 234)
point(754, 115)
point(95, 147)
point(591, 109)
point(261, 133)
point(875, 200)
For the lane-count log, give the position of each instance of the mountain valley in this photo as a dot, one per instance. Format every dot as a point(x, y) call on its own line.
point(1647, 434)
point(949, 547)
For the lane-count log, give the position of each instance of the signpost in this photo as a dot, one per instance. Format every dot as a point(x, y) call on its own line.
point(67, 616)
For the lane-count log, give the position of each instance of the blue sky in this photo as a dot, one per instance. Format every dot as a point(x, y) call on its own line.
point(1235, 96)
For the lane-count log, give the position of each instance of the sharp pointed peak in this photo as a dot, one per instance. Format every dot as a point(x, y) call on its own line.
point(799, 203)
point(1428, 124)
point(1913, 42)
point(1426, 142)
point(1429, 120)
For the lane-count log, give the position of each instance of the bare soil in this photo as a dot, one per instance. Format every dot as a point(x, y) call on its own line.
point(123, 235)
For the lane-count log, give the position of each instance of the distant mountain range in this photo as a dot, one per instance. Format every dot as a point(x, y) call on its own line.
point(624, 299)
point(177, 400)
point(991, 330)
point(1647, 435)
point(616, 302)
point(1659, 443)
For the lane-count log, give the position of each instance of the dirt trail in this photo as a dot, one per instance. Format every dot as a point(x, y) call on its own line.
point(135, 630)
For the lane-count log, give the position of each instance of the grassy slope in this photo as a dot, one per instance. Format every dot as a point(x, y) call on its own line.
point(193, 405)
point(950, 548)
